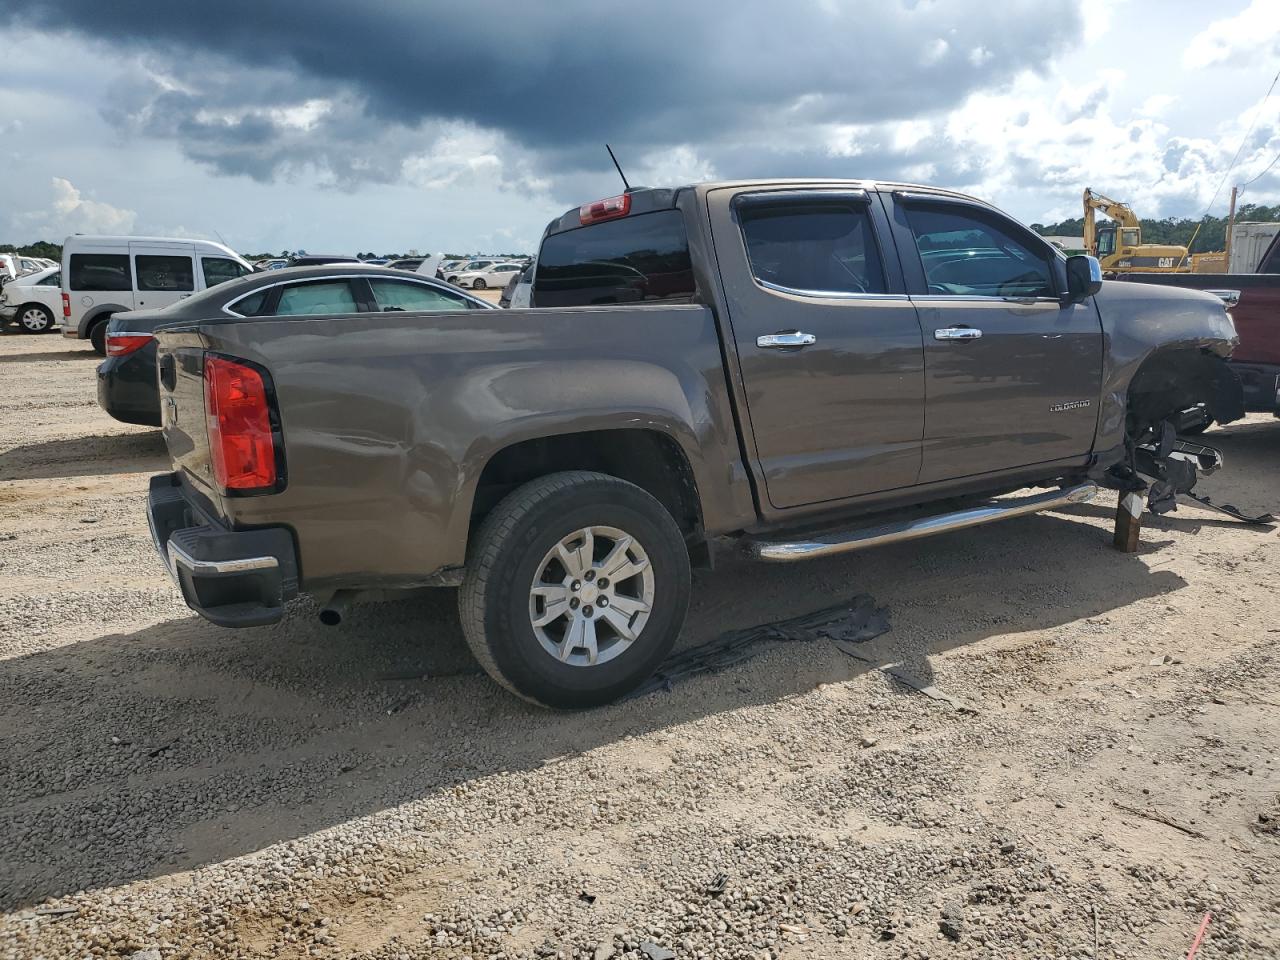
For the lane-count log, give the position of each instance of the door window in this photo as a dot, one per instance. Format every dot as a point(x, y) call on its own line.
point(220, 269)
point(813, 246)
point(100, 271)
point(963, 255)
point(394, 295)
point(325, 296)
point(164, 273)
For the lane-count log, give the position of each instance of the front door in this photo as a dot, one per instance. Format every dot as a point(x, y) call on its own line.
point(1012, 374)
point(164, 273)
point(829, 345)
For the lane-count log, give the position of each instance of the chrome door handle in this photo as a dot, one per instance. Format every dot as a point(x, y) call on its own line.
point(783, 340)
point(957, 333)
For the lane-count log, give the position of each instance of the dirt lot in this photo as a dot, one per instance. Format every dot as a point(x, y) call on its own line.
point(171, 789)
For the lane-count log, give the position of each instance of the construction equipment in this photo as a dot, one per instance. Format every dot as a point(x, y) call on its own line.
point(1118, 245)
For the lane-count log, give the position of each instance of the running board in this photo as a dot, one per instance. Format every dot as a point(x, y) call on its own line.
point(918, 527)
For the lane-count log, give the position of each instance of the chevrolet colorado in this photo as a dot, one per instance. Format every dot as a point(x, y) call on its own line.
point(793, 368)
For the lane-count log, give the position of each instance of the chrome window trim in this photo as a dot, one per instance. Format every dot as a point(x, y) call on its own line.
point(828, 294)
point(856, 195)
point(791, 195)
point(423, 281)
point(979, 298)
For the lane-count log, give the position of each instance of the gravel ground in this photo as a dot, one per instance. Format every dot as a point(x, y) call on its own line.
point(170, 789)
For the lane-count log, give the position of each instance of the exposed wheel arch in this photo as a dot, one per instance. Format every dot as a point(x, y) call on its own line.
point(650, 459)
point(1175, 379)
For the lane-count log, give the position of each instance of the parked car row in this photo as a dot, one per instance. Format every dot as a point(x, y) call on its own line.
point(33, 302)
point(14, 265)
point(127, 387)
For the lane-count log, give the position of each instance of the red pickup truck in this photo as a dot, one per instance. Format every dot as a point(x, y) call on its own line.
point(1253, 300)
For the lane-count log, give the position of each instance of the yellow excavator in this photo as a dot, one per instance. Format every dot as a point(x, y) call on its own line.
point(1118, 245)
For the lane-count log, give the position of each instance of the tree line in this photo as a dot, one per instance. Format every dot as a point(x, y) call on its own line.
point(1173, 230)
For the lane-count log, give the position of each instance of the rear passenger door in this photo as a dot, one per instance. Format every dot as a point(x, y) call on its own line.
point(1012, 373)
point(830, 349)
point(163, 274)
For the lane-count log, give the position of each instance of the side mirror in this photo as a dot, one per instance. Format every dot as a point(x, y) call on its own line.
point(1084, 277)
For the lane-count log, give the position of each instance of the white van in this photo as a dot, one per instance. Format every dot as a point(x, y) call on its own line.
point(102, 276)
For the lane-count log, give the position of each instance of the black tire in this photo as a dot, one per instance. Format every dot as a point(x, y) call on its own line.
point(505, 557)
point(479, 284)
point(98, 336)
point(29, 313)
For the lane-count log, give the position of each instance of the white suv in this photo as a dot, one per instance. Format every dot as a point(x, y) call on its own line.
point(102, 276)
point(34, 301)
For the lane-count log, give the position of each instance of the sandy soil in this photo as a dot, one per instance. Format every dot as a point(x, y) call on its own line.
point(168, 788)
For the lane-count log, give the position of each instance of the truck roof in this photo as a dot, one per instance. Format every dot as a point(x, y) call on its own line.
point(648, 199)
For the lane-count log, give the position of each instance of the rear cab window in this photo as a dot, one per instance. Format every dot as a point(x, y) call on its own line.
point(640, 258)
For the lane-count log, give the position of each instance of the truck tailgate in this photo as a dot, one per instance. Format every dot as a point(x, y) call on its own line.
point(180, 364)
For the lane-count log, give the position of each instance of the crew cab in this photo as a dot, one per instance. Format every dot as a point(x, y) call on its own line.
point(789, 368)
point(1254, 302)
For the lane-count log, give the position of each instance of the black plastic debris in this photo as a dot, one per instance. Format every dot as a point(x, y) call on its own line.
point(855, 621)
point(1262, 520)
point(717, 884)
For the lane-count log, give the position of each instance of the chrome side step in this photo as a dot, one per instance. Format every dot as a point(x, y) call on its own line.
point(918, 527)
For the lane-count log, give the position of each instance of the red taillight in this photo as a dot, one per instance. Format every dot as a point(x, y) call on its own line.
point(238, 416)
point(66, 305)
point(123, 344)
point(607, 209)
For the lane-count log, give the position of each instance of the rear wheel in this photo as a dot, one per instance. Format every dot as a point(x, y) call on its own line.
point(575, 590)
point(98, 336)
point(35, 318)
point(479, 284)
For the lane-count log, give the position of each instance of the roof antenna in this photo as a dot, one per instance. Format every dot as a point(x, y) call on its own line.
point(619, 167)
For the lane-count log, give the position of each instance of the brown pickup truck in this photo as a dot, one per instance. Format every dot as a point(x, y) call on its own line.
point(790, 368)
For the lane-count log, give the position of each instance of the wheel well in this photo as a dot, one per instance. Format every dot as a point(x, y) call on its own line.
point(1173, 380)
point(652, 461)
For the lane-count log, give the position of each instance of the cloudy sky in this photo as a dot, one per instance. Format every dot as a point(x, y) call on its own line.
point(343, 126)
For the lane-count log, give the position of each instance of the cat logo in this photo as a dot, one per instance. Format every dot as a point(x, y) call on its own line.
point(1068, 405)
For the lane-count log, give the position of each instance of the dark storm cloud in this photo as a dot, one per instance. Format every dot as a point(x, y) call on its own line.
point(556, 79)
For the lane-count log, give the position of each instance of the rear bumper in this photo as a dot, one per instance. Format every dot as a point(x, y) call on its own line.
point(127, 388)
point(234, 578)
point(1261, 383)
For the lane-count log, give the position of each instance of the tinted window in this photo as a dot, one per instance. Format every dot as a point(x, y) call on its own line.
point(403, 295)
point(251, 306)
point(100, 271)
point(636, 259)
point(220, 269)
point(52, 280)
point(819, 245)
point(326, 296)
point(164, 273)
point(966, 256)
